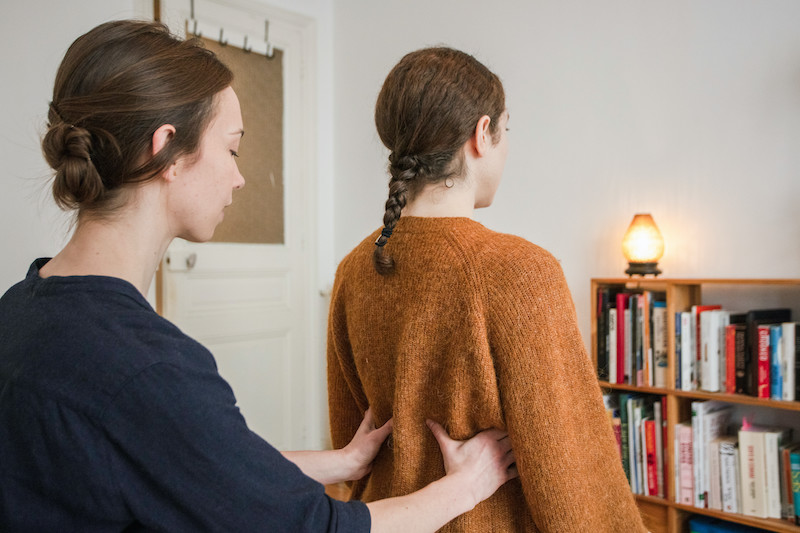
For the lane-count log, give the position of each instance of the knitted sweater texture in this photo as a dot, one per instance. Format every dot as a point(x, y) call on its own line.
point(474, 329)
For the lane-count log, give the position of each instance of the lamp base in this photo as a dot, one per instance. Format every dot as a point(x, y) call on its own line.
point(642, 269)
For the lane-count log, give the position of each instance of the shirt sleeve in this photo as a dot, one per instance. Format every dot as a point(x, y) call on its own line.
point(565, 449)
point(185, 460)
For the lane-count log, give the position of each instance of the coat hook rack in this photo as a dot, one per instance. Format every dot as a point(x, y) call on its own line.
point(270, 53)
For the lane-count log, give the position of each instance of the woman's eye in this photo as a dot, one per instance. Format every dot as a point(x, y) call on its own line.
point(234, 153)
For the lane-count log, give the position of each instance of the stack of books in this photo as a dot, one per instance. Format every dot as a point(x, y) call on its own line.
point(639, 423)
point(753, 353)
point(750, 470)
point(632, 336)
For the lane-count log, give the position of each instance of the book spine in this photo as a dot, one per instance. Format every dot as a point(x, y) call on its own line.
point(714, 496)
point(730, 359)
point(687, 360)
point(795, 468)
point(621, 299)
point(652, 463)
point(660, 448)
point(785, 467)
point(776, 362)
point(678, 360)
point(763, 361)
point(741, 358)
point(612, 345)
point(728, 478)
point(751, 450)
point(602, 333)
point(772, 442)
point(660, 343)
point(789, 357)
point(686, 463)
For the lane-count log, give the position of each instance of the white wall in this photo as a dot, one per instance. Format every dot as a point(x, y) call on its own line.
point(688, 109)
point(35, 35)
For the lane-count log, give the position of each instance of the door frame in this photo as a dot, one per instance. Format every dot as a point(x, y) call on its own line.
point(297, 37)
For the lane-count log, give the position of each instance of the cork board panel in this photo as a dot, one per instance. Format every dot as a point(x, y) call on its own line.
point(256, 215)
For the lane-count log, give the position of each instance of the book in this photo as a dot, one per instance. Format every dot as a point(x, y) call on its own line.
point(794, 457)
point(773, 440)
point(790, 341)
point(714, 479)
point(659, 336)
point(659, 408)
point(678, 365)
point(753, 472)
point(684, 437)
point(763, 362)
point(729, 473)
point(603, 295)
point(688, 361)
point(622, 304)
point(624, 415)
point(735, 357)
point(776, 362)
point(754, 318)
point(649, 430)
point(711, 322)
point(697, 311)
point(709, 419)
point(785, 466)
point(611, 344)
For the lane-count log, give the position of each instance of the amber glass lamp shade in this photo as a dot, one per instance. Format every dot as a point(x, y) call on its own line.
point(643, 246)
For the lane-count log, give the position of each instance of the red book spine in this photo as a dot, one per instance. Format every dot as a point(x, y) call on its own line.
point(650, 449)
point(763, 362)
point(730, 359)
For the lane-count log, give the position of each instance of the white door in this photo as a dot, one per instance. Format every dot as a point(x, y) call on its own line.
point(253, 305)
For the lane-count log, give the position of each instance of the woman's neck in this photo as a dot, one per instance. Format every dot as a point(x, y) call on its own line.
point(438, 200)
point(128, 246)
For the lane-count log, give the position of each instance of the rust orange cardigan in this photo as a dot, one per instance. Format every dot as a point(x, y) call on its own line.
point(475, 329)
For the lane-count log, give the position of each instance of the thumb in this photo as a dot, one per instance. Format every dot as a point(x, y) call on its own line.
point(439, 433)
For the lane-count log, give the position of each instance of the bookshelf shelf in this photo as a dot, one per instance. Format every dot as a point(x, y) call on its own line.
point(666, 515)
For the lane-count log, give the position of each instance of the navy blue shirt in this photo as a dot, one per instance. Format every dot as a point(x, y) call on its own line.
point(111, 419)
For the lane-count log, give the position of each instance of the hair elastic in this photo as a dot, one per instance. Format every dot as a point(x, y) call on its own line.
point(385, 232)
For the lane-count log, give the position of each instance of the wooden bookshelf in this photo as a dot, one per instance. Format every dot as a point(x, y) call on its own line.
point(665, 515)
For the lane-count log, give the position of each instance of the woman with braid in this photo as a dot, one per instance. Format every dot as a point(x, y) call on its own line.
point(436, 316)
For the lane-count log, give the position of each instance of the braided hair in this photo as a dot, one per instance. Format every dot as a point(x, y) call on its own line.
point(427, 109)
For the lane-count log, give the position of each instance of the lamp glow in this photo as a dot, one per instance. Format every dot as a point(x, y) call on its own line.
point(643, 246)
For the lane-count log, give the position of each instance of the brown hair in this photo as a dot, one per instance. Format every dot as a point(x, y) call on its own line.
point(427, 109)
point(116, 85)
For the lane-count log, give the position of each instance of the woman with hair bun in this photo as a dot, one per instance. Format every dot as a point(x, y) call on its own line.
point(111, 419)
point(436, 316)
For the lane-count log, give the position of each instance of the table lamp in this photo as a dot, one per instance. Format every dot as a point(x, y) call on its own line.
point(643, 246)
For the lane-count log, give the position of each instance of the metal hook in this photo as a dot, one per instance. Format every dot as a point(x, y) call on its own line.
point(194, 21)
point(245, 47)
point(270, 53)
point(222, 42)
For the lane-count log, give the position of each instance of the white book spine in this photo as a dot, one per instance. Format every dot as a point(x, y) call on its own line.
point(789, 356)
point(714, 498)
point(687, 351)
point(772, 444)
point(709, 340)
point(697, 433)
point(728, 478)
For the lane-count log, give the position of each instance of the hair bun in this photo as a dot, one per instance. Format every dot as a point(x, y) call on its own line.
point(67, 149)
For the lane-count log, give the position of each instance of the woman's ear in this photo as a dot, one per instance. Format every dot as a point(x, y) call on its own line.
point(482, 138)
point(162, 136)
